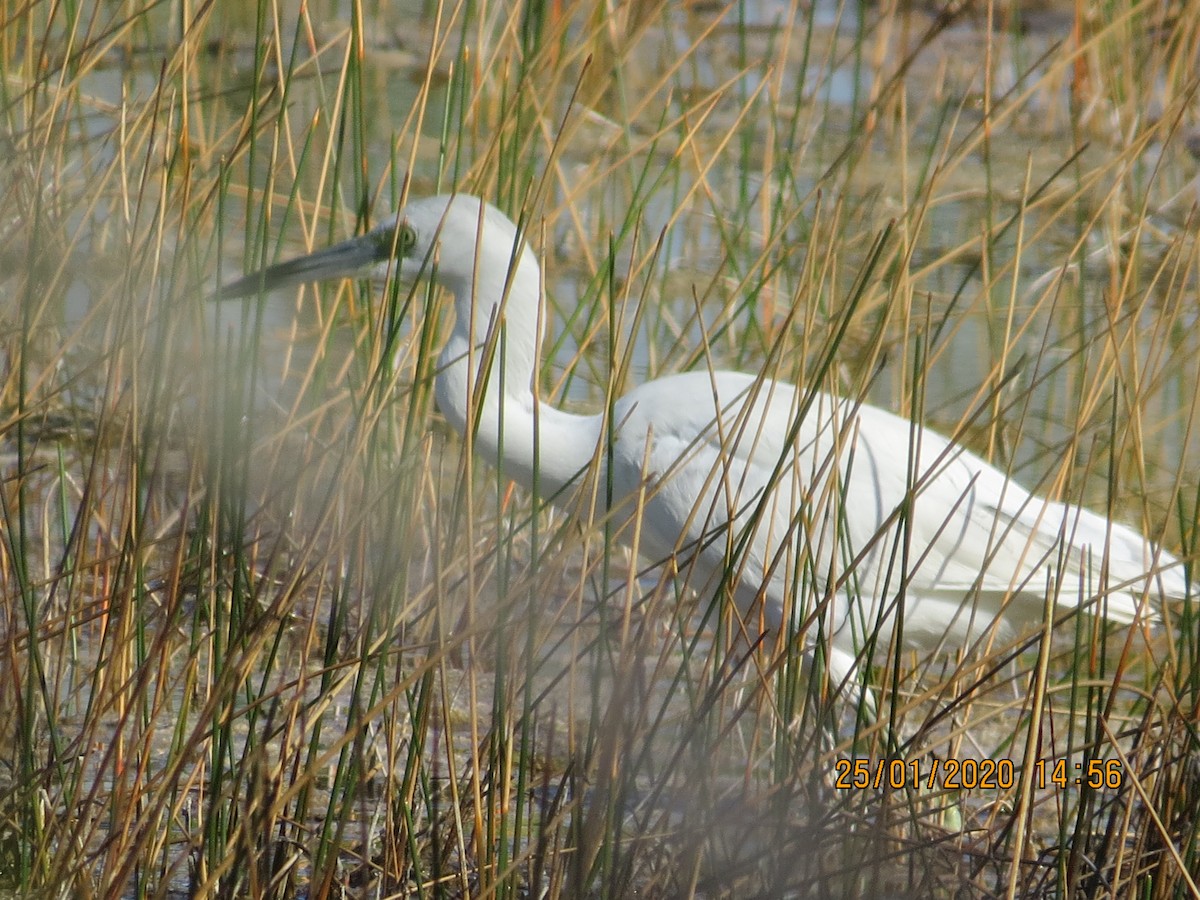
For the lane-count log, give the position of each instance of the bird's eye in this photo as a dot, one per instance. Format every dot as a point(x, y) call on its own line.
point(396, 241)
point(406, 238)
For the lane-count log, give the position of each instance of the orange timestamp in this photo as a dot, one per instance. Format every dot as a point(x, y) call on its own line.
point(973, 774)
point(1092, 773)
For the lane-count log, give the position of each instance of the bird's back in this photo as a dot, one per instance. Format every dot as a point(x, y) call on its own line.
point(806, 501)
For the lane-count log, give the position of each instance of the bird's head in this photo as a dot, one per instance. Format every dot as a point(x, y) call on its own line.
point(449, 237)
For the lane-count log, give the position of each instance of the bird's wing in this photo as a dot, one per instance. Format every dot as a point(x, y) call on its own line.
point(739, 475)
point(983, 556)
point(973, 531)
point(858, 499)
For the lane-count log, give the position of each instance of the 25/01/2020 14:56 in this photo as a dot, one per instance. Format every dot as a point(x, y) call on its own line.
point(971, 774)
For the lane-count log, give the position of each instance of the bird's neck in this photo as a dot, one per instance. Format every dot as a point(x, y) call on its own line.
point(486, 390)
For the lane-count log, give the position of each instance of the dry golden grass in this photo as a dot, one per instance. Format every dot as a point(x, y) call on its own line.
point(264, 628)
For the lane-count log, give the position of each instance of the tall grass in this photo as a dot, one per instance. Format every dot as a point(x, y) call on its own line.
point(266, 629)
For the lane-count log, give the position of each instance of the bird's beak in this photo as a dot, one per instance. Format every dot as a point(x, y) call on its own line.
point(345, 260)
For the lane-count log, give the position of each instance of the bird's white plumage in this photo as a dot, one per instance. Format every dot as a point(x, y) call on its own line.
point(842, 519)
point(823, 511)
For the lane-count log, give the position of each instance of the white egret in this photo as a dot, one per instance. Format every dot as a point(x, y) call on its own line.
point(842, 519)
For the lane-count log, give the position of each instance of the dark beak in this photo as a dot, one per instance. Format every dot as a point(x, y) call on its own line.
point(345, 260)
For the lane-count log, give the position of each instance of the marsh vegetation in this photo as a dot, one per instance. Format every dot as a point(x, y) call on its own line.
point(267, 630)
